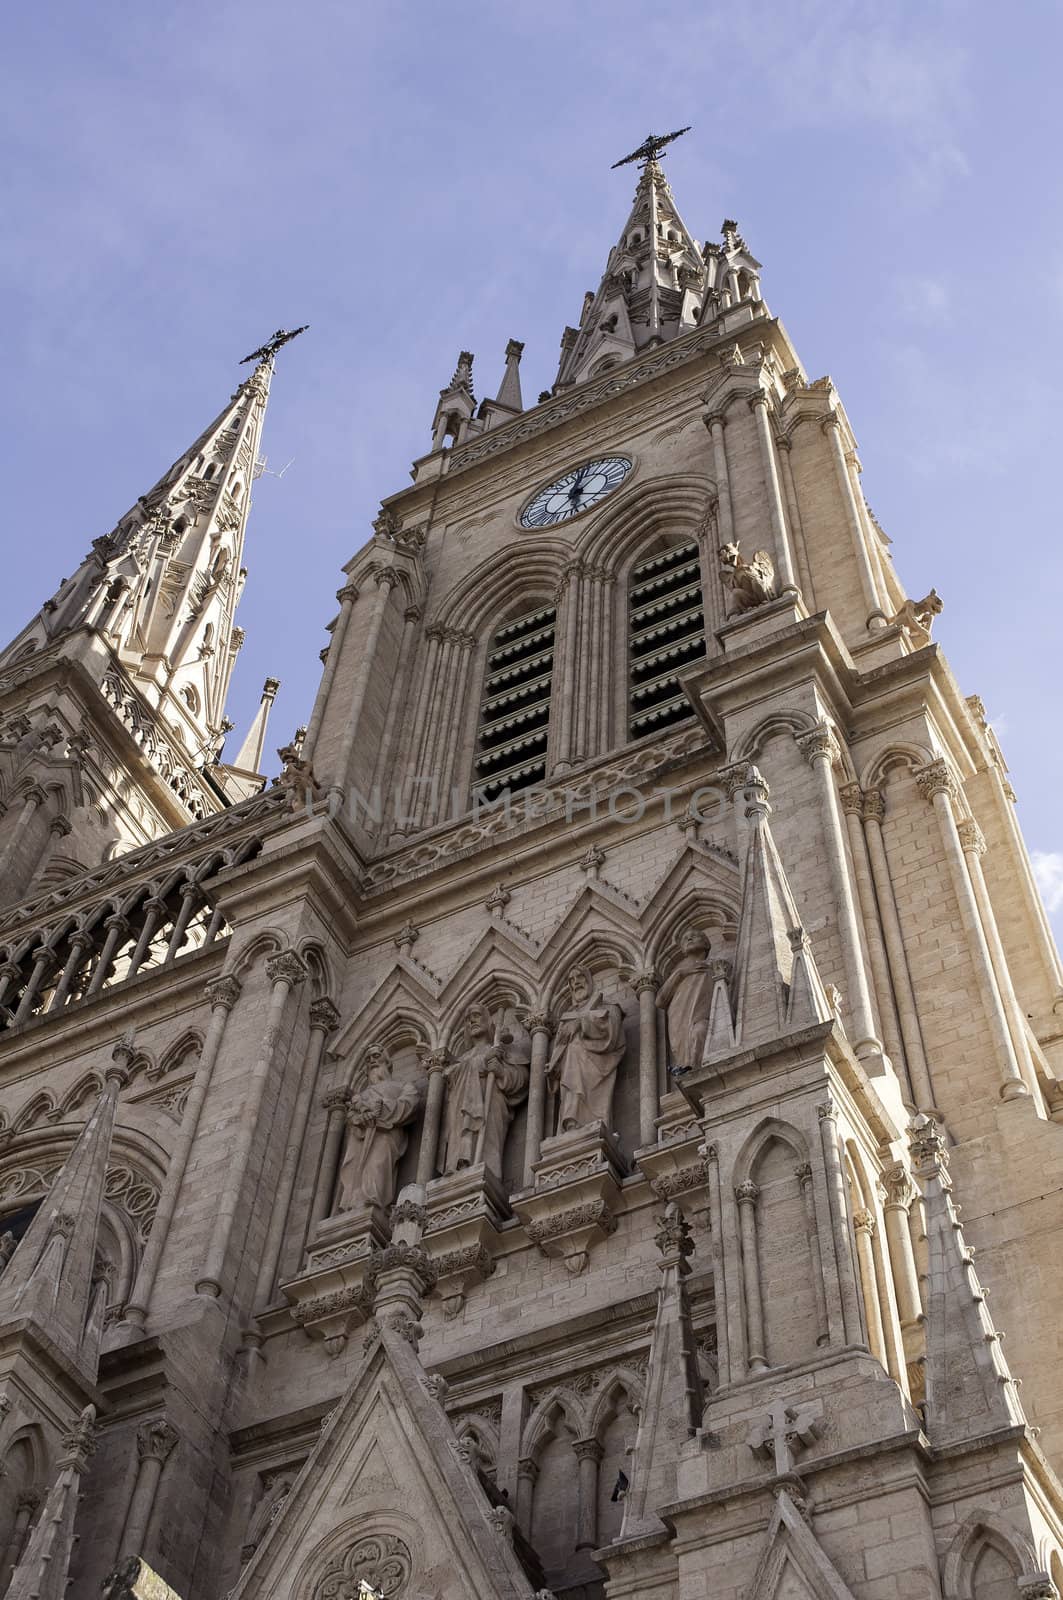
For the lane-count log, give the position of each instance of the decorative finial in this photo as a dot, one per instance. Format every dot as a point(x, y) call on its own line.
point(650, 148)
point(274, 343)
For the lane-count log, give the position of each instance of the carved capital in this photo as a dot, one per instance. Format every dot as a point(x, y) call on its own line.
point(324, 1015)
point(827, 1111)
point(714, 420)
point(347, 595)
point(818, 744)
point(803, 1174)
point(971, 837)
point(528, 1467)
point(335, 1100)
point(936, 778)
point(864, 1222)
point(757, 399)
point(874, 805)
point(647, 979)
point(407, 936)
point(900, 1190)
point(852, 799)
point(588, 1450)
point(223, 992)
point(538, 1022)
point(747, 1193)
point(286, 967)
point(721, 969)
point(60, 827)
point(116, 924)
point(155, 1440)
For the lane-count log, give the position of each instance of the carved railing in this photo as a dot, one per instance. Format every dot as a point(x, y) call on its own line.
point(186, 783)
point(136, 915)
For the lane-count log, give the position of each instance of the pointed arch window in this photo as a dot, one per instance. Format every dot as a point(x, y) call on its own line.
point(666, 632)
point(515, 711)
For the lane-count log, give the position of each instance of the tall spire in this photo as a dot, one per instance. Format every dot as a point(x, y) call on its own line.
point(658, 282)
point(161, 588)
point(242, 777)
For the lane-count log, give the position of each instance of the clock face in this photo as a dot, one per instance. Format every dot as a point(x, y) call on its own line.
point(577, 491)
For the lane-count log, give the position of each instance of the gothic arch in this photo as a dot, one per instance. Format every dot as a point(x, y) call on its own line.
point(269, 942)
point(496, 987)
point(767, 1130)
point(706, 903)
point(397, 996)
point(622, 1382)
point(909, 756)
point(752, 742)
point(481, 601)
point(674, 504)
point(400, 1032)
point(559, 1405)
point(599, 950)
point(322, 977)
point(981, 1529)
point(187, 1044)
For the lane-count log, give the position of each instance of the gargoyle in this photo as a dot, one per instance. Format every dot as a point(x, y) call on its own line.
point(748, 583)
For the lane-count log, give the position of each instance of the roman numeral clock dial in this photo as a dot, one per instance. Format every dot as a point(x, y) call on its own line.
point(577, 491)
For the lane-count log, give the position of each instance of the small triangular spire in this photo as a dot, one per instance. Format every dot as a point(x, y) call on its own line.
point(43, 1571)
point(51, 1280)
point(776, 986)
point(509, 394)
point(969, 1388)
point(674, 1400)
point(457, 404)
point(243, 776)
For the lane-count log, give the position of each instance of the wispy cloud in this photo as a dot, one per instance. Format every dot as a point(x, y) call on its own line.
point(1048, 870)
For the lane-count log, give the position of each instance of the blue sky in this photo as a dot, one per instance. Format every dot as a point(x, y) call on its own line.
point(414, 178)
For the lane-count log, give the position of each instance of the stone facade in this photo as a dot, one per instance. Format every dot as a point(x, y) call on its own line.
point(542, 1142)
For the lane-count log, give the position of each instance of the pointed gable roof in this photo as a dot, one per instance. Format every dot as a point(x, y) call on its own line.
point(387, 1489)
point(50, 1278)
point(793, 1564)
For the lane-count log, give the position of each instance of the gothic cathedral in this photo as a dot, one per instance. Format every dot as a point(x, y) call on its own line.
point(586, 1128)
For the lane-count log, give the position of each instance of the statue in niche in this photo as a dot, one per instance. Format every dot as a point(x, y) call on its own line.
point(748, 583)
point(378, 1117)
point(484, 1086)
point(686, 997)
point(588, 1049)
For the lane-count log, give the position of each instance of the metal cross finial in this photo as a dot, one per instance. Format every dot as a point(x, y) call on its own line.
point(273, 343)
point(651, 147)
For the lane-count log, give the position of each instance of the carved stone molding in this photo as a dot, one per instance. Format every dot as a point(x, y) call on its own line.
point(466, 1212)
point(333, 1292)
point(576, 1195)
point(936, 778)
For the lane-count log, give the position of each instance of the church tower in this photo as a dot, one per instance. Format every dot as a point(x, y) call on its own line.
point(112, 699)
point(561, 1163)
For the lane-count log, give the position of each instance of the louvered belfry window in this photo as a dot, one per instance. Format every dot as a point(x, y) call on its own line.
point(666, 632)
point(515, 713)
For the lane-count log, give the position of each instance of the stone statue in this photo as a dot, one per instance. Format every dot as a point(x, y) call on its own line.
point(588, 1049)
point(748, 583)
point(686, 996)
point(916, 617)
point(377, 1119)
point(484, 1086)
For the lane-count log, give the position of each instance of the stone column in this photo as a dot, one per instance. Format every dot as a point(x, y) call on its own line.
point(728, 1323)
point(80, 945)
point(569, 601)
point(191, 900)
point(436, 1063)
point(864, 1227)
point(907, 1014)
point(10, 976)
point(539, 1028)
point(839, 1221)
point(44, 962)
point(589, 1455)
point(974, 848)
point(346, 597)
point(324, 1019)
point(115, 928)
point(427, 689)
point(746, 1196)
point(852, 799)
point(386, 578)
point(900, 1192)
point(452, 724)
point(527, 1476)
point(937, 785)
point(646, 986)
point(784, 445)
point(335, 1104)
point(154, 910)
point(285, 971)
point(222, 994)
point(784, 561)
point(32, 800)
point(396, 705)
point(805, 1178)
point(876, 617)
point(155, 1443)
point(716, 422)
point(820, 751)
